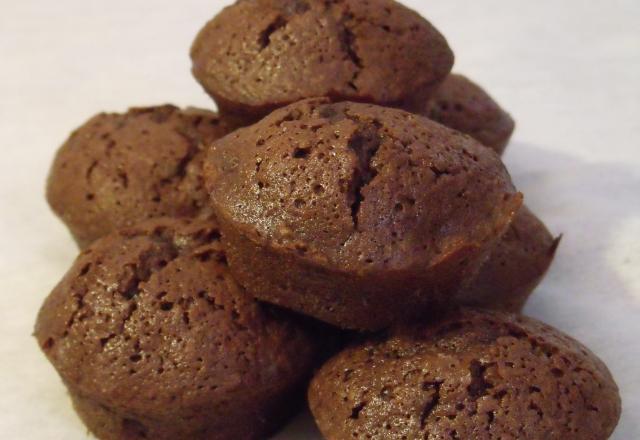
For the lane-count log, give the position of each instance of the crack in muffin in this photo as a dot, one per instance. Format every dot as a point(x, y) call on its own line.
point(356, 214)
point(154, 339)
point(258, 55)
point(118, 169)
point(472, 375)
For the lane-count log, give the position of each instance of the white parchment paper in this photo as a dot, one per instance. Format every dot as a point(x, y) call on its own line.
point(568, 71)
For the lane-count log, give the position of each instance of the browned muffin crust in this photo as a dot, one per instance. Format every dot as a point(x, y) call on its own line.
point(356, 214)
point(516, 266)
point(154, 340)
point(257, 55)
point(463, 105)
point(118, 169)
point(474, 375)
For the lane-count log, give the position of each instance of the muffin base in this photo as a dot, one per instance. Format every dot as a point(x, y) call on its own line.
point(107, 424)
point(366, 302)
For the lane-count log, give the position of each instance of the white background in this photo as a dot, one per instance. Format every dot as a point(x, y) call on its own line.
point(569, 71)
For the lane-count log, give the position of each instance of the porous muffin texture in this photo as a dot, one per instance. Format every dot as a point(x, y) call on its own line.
point(355, 214)
point(121, 168)
point(463, 105)
point(516, 266)
point(154, 340)
point(257, 55)
point(474, 375)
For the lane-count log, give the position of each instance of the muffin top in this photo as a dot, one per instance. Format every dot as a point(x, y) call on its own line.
point(474, 375)
point(257, 55)
point(463, 105)
point(359, 187)
point(148, 320)
point(516, 265)
point(118, 169)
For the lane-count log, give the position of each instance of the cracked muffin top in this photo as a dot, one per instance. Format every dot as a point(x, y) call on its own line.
point(358, 187)
point(257, 55)
point(118, 169)
point(463, 105)
point(473, 375)
point(148, 321)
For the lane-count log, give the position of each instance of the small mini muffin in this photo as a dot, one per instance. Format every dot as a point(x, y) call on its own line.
point(154, 340)
point(257, 55)
point(118, 169)
point(474, 375)
point(464, 106)
point(355, 214)
point(516, 266)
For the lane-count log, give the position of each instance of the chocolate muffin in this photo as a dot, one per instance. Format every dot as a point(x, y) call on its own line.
point(516, 266)
point(118, 169)
point(463, 105)
point(474, 375)
point(154, 339)
point(355, 214)
point(257, 55)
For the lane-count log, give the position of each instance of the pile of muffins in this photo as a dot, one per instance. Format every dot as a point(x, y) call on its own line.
point(344, 227)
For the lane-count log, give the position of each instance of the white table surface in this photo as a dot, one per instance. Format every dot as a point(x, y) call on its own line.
point(569, 72)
